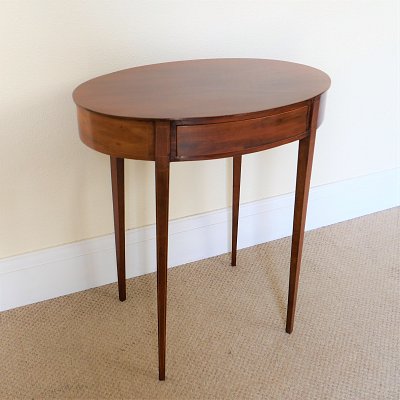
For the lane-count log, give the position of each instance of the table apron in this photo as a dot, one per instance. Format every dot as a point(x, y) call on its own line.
point(135, 139)
point(118, 137)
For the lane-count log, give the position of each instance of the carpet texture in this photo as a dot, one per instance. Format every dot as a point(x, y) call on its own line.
point(226, 328)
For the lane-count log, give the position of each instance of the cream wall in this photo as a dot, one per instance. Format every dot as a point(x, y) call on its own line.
point(54, 190)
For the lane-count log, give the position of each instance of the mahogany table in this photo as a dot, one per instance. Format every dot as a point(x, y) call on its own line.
point(201, 110)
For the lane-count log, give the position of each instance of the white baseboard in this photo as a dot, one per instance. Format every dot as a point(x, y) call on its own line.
point(70, 268)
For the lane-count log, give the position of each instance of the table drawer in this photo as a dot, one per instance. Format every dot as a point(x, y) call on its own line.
point(197, 141)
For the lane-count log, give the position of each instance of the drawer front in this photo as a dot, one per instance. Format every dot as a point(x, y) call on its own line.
point(211, 140)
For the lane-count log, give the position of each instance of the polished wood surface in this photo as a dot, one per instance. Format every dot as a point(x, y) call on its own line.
point(227, 138)
point(304, 166)
point(162, 204)
point(118, 194)
point(199, 110)
point(237, 169)
point(119, 137)
point(201, 88)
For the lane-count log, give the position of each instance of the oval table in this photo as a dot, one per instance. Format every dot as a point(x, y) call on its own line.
point(201, 110)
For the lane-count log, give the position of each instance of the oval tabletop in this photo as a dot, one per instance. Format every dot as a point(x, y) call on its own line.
point(201, 89)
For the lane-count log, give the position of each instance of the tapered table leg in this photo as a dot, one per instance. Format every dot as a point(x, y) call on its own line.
point(117, 181)
point(304, 166)
point(237, 165)
point(162, 202)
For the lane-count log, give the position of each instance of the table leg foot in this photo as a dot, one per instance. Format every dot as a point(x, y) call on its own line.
point(237, 164)
point(118, 195)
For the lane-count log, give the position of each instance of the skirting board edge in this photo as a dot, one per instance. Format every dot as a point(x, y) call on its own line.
point(54, 272)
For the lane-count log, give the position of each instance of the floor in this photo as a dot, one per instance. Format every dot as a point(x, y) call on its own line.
point(226, 328)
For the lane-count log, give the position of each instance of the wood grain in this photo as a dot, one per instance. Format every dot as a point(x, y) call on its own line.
point(201, 88)
point(118, 137)
point(203, 141)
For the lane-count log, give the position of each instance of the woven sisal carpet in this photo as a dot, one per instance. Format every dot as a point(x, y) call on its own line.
point(226, 328)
